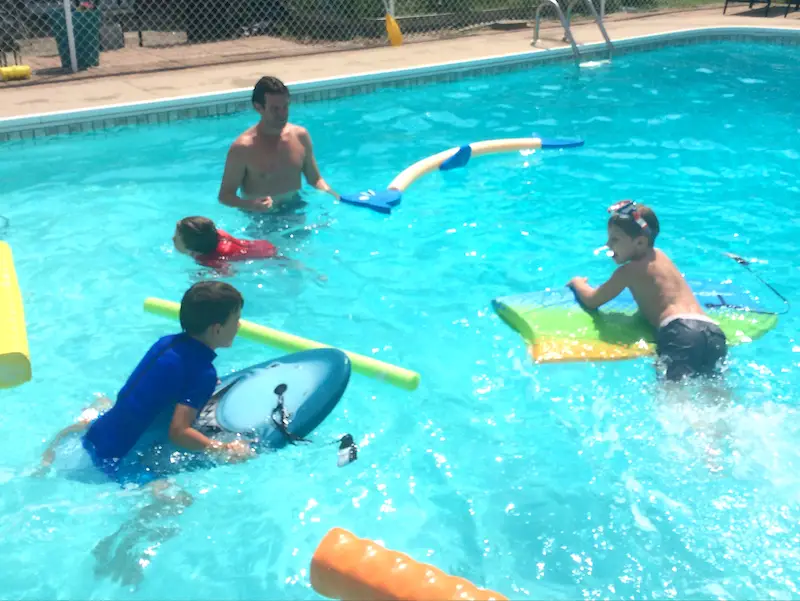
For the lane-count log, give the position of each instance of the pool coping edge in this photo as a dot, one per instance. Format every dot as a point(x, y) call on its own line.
point(315, 90)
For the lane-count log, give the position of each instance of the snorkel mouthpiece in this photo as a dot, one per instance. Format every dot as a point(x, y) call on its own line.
point(608, 251)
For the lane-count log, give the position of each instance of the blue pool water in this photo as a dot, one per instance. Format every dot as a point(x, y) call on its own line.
point(555, 481)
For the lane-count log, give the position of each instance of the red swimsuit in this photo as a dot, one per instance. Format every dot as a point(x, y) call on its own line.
point(235, 249)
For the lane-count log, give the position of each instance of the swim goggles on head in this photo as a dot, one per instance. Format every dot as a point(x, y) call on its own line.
point(626, 209)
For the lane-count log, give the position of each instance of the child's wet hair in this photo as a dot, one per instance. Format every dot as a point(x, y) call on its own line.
point(199, 234)
point(632, 229)
point(206, 304)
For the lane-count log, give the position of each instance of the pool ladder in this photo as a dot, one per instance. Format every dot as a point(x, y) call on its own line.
point(565, 23)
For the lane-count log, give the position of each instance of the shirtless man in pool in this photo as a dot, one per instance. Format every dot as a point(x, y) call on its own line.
point(266, 161)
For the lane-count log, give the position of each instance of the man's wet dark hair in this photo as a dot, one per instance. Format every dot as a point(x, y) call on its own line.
point(268, 85)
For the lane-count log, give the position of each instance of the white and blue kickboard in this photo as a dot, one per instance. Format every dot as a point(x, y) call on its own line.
point(300, 390)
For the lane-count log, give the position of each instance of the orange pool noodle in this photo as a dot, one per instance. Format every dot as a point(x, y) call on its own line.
point(349, 568)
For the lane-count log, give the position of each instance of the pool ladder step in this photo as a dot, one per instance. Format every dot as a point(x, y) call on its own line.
point(565, 23)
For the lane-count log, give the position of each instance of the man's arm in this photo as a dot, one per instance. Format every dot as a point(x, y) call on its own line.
point(310, 167)
point(232, 178)
point(592, 298)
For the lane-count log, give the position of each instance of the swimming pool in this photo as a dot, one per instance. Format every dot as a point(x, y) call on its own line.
point(557, 481)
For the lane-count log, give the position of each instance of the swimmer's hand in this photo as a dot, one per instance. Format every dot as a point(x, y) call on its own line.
point(576, 282)
point(261, 205)
point(232, 452)
point(238, 451)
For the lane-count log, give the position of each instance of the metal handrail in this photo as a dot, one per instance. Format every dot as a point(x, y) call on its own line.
point(597, 19)
point(564, 23)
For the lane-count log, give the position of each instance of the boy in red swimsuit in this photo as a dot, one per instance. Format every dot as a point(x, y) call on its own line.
point(215, 248)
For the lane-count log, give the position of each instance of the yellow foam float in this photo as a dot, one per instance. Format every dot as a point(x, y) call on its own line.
point(15, 363)
point(15, 72)
point(366, 366)
point(382, 201)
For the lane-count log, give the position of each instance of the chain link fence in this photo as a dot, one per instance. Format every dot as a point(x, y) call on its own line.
point(123, 36)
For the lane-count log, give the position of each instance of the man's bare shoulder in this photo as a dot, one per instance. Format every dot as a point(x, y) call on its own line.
point(297, 132)
point(245, 140)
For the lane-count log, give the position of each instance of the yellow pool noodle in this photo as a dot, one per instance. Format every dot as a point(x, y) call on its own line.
point(410, 174)
point(366, 366)
point(15, 363)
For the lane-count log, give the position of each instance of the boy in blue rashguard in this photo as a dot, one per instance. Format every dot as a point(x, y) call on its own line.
point(166, 390)
point(157, 405)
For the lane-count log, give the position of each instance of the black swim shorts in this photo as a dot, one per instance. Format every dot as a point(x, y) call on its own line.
point(691, 346)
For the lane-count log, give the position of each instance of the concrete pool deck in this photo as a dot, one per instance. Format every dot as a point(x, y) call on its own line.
point(74, 94)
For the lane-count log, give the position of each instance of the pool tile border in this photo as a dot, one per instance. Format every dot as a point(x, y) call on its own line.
point(216, 104)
